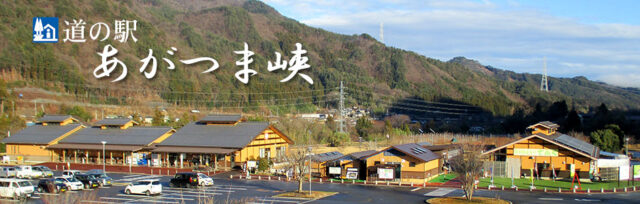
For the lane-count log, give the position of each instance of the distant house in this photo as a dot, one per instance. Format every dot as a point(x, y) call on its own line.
point(30, 143)
point(223, 140)
point(407, 163)
point(125, 141)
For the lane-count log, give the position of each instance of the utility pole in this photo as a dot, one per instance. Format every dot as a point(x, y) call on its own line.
point(341, 107)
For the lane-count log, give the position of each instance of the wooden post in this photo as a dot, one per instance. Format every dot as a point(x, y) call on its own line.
point(98, 159)
point(75, 156)
point(64, 156)
point(111, 157)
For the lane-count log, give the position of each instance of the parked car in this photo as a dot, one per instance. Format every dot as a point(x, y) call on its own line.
point(26, 172)
point(186, 180)
point(88, 180)
point(147, 187)
point(103, 179)
point(16, 188)
point(51, 186)
point(71, 182)
point(70, 173)
point(204, 180)
point(45, 171)
point(7, 171)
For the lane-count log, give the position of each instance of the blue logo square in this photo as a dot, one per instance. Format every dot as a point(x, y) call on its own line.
point(45, 29)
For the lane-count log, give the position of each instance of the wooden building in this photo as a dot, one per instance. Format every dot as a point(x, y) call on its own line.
point(125, 142)
point(30, 143)
point(223, 141)
point(548, 153)
point(406, 163)
point(352, 166)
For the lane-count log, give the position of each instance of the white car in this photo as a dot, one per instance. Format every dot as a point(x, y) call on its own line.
point(16, 188)
point(26, 172)
point(7, 172)
point(204, 180)
point(147, 187)
point(70, 173)
point(71, 182)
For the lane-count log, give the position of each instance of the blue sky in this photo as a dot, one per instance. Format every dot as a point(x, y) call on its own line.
point(596, 39)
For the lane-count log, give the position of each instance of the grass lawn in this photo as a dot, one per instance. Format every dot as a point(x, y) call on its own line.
point(552, 185)
point(443, 178)
point(313, 195)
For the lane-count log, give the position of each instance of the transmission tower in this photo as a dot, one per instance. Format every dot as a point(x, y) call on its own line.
point(544, 84)
point(382, 32)
point(341, 107)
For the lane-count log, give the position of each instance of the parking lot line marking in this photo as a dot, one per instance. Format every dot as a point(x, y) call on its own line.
point(178, 191)
point(550, 198)
point(36, 197)
point(415, 189)
point(94, 201)
point(111, 198)
point(53, 194)
point(242, 189)
point(139, 178)
point(129, 176)
point(151, 201)
point(155, 197)
point(192, 194)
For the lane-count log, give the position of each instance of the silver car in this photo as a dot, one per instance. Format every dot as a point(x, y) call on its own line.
point(7, 171)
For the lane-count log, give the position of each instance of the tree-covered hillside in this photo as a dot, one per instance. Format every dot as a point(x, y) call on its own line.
point(375, 75)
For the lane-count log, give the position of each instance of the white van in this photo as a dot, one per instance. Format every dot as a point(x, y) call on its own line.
point(16, 188)
point(7, 171)
point(26, 172)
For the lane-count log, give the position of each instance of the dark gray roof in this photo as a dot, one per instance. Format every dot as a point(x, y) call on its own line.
point(424, 143)
point(226, 136)
point(574, 143)
point(416, 151)
point(547, 124)
point(113, 121)
point(39, 134)
point(116, 136)
point(359, 155)
point(220, 118)
point(327, 156)
point(54, 118)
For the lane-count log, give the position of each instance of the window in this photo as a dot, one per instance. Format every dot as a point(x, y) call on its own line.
point(262, 152)
point(376, 163)
point(412, 164)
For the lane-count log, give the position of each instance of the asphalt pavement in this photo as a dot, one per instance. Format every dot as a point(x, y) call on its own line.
point(228, 190)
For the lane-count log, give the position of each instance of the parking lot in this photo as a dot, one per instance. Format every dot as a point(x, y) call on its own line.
point(228, 190)
point(223, 191)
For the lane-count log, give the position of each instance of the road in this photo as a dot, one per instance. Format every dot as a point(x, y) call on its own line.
point(228, 190)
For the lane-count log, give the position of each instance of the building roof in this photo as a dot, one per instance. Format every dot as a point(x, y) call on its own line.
point(360, 155)
point(116, 136)
point(221, 118)
point(545, 124)
point(55, 118)
point(574, 143)
point(327, 156)
point(125, 148)
point(564, 142)
point(114, 121)
point(39, 134)
point(416, 151)
point(224, 136)
point(442, 147)
point(201, 150)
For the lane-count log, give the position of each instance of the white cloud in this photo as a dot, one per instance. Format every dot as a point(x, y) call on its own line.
point(512, 37)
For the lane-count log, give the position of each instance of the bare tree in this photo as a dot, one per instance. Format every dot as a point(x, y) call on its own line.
point(468, 166)
point(296, 160)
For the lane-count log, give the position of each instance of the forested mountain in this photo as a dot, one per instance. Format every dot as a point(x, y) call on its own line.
point(375, 75)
